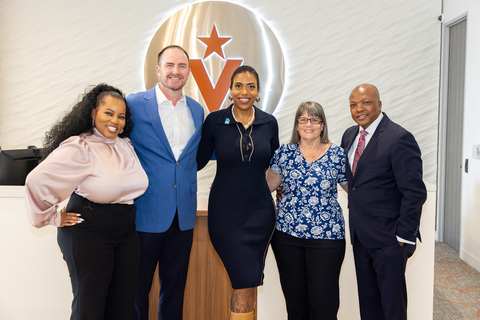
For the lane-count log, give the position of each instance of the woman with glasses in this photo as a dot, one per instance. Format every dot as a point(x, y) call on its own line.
point(309, 240)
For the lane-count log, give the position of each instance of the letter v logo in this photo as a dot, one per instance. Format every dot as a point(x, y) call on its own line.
point(213, 95)
point(209, 31)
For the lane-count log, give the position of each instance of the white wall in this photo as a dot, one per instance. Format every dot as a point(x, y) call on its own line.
point(51, 50)
point(470, 207)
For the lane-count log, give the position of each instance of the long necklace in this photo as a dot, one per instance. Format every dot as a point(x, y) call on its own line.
point(249, 145)
point(251, 120)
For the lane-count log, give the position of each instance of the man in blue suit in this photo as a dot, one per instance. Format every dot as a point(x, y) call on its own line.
point(385, 197)
point(166, 134)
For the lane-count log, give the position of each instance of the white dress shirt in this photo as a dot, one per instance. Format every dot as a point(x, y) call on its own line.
point(177, 121)
point(370, 131)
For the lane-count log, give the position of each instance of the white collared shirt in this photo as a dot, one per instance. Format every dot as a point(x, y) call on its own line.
point(177, 121)
point(370, 131)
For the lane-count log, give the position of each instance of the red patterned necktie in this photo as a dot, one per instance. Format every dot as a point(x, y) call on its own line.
point(359, 150)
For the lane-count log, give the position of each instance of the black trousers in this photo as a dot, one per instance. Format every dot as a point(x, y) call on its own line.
point(382, 289)
point(102, 254)
point(309, 272)
point(171, 250)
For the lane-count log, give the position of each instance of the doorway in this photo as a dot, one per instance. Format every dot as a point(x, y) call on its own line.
point(451, 169)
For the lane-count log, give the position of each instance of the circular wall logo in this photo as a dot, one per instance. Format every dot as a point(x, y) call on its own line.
point(219, 37)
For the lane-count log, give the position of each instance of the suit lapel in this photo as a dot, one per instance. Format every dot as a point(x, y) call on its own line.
point(347, 142)
point(196, 114)
point(197, 120)
point(350, 138)
point(151, 108)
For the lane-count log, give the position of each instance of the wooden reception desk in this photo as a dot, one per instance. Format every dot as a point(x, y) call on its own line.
point(208, 289)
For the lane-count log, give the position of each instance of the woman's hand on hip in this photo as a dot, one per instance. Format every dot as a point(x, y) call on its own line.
point(69, 219)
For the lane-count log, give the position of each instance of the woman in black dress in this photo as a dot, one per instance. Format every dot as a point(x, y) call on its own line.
point(241, 213)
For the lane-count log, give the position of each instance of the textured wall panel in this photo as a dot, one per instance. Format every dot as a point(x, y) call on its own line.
point(51, 50)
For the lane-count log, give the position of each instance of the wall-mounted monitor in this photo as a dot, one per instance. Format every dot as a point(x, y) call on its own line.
point(16, 164)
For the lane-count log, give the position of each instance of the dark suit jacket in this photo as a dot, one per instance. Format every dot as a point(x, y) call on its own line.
point(386, 195)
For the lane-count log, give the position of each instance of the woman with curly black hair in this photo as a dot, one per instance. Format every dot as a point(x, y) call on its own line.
point(79, 119)
point(90, 158)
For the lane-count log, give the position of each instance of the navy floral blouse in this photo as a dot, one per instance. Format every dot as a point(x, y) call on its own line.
point(309, 207)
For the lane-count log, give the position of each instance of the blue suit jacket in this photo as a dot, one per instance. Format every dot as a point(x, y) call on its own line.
point(172, 184)
point(386, 195)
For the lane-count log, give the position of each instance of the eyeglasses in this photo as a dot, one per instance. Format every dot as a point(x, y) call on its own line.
point(312, 120)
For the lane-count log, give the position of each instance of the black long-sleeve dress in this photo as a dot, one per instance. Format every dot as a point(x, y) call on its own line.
point(241, 212)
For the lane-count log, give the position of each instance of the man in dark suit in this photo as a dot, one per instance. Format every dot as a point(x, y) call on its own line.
point(385, 197)
point(166, 135)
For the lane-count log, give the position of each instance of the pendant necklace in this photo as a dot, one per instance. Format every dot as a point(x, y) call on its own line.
point(251, 120)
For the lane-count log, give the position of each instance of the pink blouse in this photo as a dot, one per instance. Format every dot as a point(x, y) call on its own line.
point(94, 167)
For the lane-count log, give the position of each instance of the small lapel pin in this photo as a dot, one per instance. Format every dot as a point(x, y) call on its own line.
point(227, 121)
